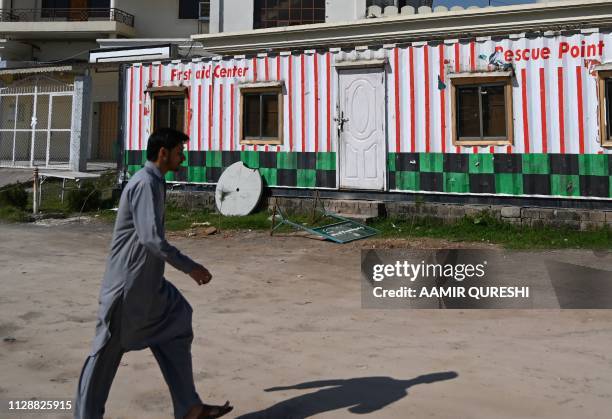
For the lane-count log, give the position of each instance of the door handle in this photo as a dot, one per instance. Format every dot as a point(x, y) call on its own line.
point(341, 120)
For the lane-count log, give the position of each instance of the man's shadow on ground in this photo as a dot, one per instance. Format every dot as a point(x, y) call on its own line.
point(360, 395)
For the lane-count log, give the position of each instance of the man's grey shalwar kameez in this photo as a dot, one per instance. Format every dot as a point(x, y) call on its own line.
point(139, 308)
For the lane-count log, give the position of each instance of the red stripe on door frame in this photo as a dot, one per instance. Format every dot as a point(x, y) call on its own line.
point(457, 70)
point(290, 93)
point(442, 102)
point(159, 75)
point(231, 116)
point(221, 116)
point(543, 111)
point(200, 117)
point(302, 99)
point(267, 68)
point(525, 111)
point(131, 111)
point(580, 108)
point(316, 89)
point(210, 115)
point(412, 101)
point(561, 110)
point(427, 110)
point(140, 110)
point(472, 55)
point(397, 101)
point(189, 115)
point(254, 68)
point(328, 97)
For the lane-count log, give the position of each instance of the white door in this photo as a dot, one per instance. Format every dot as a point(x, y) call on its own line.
point(361, 128)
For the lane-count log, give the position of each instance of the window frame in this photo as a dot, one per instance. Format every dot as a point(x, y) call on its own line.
point(259, 11)
point(604, 84)
point(158, 92)
point(185, 9)
point(501, 78)
point(262, 88)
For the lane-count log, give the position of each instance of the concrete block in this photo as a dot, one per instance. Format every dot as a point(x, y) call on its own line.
point(374, 11)
point(547, 213)
point(594, 216)
point(457, 211)
point(511, 212)
point(589, 225)
point(533, 213)
point(567, 215)
point(390, 11)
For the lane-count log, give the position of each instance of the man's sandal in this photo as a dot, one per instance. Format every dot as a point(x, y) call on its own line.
point(212, 412)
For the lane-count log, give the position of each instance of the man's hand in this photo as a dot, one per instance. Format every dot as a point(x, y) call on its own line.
point(200, 275)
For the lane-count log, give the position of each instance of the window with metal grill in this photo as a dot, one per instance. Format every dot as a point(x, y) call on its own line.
point(275, 13)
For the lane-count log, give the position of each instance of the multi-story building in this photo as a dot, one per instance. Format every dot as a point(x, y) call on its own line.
point(466, 105)
point(44, 49)
point(46, 43)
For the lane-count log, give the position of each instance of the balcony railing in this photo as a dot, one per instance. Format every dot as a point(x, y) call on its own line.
point(66, 15)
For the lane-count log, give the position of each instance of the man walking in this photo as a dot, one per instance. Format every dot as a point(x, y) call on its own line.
point(139, 308)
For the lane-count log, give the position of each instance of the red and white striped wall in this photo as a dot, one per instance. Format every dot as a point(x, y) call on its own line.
point(555, 101)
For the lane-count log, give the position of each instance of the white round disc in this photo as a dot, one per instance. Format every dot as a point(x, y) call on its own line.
point(238, 190)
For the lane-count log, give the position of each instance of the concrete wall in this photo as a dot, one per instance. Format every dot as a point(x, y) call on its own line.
point(237, 15)
point(234, 15)
point(105, 86)
point(578, 219)
point(15, 51)
point(344, 10)
point(58, 50)
point(158, 18)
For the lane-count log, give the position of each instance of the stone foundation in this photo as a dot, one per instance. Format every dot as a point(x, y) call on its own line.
point(579, 219)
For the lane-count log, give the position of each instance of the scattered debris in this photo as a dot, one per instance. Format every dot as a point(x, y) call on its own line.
point(204, 224)
point(202, 232)
point(52, 222)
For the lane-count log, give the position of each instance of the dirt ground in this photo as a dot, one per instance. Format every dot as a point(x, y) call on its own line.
point(281, 333)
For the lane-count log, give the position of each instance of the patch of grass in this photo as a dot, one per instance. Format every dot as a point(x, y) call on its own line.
point(14, 195)
point(485, 228)
point(177, 219)
point(13, 215)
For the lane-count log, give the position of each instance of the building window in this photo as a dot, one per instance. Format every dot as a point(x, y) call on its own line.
point(204, 10)
point(482, 110)
point(274, 13)
point(605, 107)
point(189, 9)
point(261, 115)
point(168, 111)
point(399, 3)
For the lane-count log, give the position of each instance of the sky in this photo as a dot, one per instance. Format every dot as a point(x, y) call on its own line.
point(466, 3)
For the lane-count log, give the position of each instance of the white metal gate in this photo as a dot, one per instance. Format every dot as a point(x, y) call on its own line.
point(35, 123)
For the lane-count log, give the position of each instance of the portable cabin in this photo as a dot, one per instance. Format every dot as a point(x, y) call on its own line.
point(524, 115)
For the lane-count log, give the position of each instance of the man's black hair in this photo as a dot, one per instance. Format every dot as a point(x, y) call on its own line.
point(167, 138)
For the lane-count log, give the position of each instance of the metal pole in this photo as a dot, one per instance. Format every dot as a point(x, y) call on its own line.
point(35, 194)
